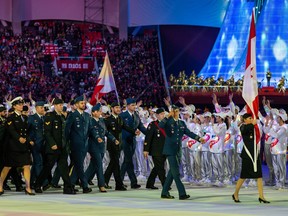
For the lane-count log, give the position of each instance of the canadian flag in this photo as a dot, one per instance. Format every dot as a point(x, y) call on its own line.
point(105, 82)
point(250, 87)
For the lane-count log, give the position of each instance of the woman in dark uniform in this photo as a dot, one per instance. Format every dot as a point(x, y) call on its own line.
point(17, 149)
point(248, 170)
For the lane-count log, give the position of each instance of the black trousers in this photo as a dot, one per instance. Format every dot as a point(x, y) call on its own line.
point(113, 168)
point(158, 169)
point(61, 158)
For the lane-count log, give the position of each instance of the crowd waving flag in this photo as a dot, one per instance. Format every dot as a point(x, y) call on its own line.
point(105, 82)
point(250, 87)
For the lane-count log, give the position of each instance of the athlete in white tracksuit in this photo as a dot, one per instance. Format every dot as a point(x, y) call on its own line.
point(217, 148)
point(195, 151)
point(278, 149)
point(206, 164)
point(229, 147)
point(185, 159)
point(270, 124)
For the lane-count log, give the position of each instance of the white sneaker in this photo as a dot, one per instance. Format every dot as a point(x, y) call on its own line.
point(218, 184)
point(185, 179)
point(252, 183)
point(141, 178)
point(207, 182)
point(227, 182)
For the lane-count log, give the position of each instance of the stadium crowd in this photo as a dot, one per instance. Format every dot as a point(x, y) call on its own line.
point(23, 63)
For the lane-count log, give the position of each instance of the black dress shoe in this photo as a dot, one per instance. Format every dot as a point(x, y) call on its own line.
point(233, 197)
point(136, 186)
point(76, 190)
point(29, 193)
point(184, 197)
point(20, 189)
point(125, 186)
point(38, 190)
point(87, 190)
point(168, 196)
point(46, 187)
point(1, 192)
point(122, 188)
point(90, 183)
point(152, 187)
point(264, 201)
point(6, 187)
point(69, 191)
point(108, 187)
point(56, 186)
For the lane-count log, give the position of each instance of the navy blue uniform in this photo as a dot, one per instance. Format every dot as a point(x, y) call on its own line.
point(36, 133)
point(129, 144)
point(97, 151)
point(78, 128)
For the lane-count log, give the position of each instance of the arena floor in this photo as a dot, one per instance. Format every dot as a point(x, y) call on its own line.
point(204, 201)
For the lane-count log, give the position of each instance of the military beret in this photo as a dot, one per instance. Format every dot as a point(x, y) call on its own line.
point(40, 103)
point(246, 115)
point(78, 99)
point(160, 110)
point(130, 101)
point(114, 104)
point(97, 107)
point(57, 101)
point(25, 108)
point(17, 100)
point(2, 108)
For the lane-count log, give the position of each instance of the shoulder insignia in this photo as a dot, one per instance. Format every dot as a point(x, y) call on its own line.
point(9, 123)
point(47, 123)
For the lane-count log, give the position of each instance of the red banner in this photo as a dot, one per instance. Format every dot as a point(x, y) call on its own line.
point(75, 65)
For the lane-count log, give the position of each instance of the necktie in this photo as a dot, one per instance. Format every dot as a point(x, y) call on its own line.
point(132, 117)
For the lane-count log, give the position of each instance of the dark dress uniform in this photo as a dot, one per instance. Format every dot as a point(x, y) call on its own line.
point(115, 125)
point(154, 143)
point(13, 172)
point(2, 141)
point(174, 132)
point(17, 154)
point(247, 170)
point(129, 145)
point(36, 134)
point(97, 151)
point(54, 126)
point(78, 129)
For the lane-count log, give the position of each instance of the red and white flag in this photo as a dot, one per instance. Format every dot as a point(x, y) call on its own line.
point(250, 86)
point(105, 82)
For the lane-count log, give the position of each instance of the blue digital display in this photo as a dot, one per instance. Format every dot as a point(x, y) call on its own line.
point(229, 53)
point(231, 42)
point(272, 40)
